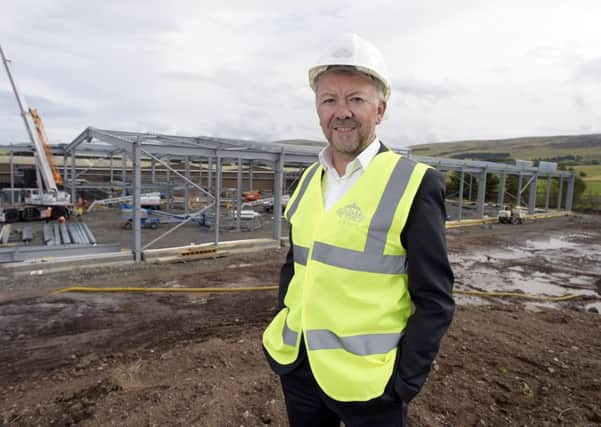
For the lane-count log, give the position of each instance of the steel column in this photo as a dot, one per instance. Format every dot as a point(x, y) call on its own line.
point(469, 196)
point(238, 194)
point(518, 196)
point(501, 199)
point(12, 177)
point(548, 193)
point(532, 194)
point(210, 174)
point(111, 169)
point(481, 193)
point(169, 198)
point(570, 194)
point(278, 185)
point(200, 172)
point(217, 222)
point(65, 170)
point(153, 172)
point(560, 193)
point(460, 195)
point(136, 189)
point(186, 185)
point(250, 175)
point(73, 165)
point(123, 174)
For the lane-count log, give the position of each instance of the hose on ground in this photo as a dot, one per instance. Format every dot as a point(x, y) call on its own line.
point(492, 294)
point(482, 294)
point(166, 290)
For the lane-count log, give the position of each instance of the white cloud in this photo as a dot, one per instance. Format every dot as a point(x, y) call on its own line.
point(460, 70)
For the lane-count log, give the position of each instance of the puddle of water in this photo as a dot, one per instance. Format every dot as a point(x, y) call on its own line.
point(596, 305)
point(581, 280)
point(173, 284)
point(509, 253)
point(550, 244)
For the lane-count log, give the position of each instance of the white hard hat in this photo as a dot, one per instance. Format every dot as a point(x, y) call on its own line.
point(353, 51)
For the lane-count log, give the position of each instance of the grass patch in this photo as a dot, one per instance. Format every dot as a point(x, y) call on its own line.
point(593, 172)
point(593, 187)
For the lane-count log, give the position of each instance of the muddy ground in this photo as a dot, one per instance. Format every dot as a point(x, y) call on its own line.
point(195, 359)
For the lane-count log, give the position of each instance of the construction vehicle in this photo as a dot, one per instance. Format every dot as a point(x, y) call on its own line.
point(48, 200)
point(511, 215)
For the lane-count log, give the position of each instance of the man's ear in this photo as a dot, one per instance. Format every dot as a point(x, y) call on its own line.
point(381, 110)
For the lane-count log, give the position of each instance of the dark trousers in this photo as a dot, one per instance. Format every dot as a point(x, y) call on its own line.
point(308, 406)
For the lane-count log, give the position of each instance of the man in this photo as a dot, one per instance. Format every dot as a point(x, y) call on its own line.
point(366, 290)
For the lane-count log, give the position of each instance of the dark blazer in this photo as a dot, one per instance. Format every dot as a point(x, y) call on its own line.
point(430, 286)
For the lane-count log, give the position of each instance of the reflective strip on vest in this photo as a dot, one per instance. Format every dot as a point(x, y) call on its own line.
point(301, 254)
point(372, 259)
point(289, 336)
point(301, 191)
point(358, 261)
point(361, 345)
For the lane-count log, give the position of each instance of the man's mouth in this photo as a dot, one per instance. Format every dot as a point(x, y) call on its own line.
point(344, 130)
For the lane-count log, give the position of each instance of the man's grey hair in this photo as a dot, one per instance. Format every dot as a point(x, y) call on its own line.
point(351, 69)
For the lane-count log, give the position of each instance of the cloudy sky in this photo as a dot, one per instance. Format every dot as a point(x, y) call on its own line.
point(237, 69)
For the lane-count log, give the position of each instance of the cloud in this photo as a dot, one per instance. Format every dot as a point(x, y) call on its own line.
point(238, 69)
point(589, 71)
point(426, 91)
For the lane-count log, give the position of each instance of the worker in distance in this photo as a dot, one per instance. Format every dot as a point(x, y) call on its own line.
point(366, 290)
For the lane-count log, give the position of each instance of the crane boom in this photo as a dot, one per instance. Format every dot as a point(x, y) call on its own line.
point(42, 160)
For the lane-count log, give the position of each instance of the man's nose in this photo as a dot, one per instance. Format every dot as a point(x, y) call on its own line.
point(343, 110)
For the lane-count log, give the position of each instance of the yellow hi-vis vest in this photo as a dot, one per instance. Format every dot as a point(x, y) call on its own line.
point(348, 296)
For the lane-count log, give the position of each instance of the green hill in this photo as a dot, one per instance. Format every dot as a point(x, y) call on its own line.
point(584, 148)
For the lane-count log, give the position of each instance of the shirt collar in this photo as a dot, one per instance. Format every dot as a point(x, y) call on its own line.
point(360, 162)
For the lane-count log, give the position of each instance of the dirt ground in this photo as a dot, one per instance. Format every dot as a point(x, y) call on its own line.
point(196, 359)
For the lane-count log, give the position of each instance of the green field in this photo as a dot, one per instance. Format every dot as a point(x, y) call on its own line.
point(584, 147)
point(594, 187)
point(593, 172)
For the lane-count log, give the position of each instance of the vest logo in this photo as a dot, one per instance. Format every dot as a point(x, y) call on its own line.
point(350, 213)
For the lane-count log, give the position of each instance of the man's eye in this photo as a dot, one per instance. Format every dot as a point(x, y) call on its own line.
point(328, 101)
point(356, 100)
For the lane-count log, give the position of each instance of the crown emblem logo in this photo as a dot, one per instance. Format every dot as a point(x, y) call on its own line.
point(351, 213)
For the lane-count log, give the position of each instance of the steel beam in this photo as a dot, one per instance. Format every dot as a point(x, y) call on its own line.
point(25, 253)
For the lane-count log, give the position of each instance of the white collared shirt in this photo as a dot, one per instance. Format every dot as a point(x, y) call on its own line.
point(335, 186)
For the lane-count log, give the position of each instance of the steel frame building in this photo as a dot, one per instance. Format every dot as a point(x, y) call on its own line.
point(214, 152)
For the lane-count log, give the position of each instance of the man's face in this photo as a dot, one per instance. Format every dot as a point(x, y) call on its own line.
point(349, 109)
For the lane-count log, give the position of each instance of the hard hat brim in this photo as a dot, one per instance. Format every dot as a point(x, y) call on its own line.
point(316, 71)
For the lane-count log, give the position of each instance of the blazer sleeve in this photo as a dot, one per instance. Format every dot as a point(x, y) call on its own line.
point(286, 273)
point(430, 281)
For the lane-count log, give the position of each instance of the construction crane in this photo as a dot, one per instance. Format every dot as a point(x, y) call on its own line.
point(48, 200)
